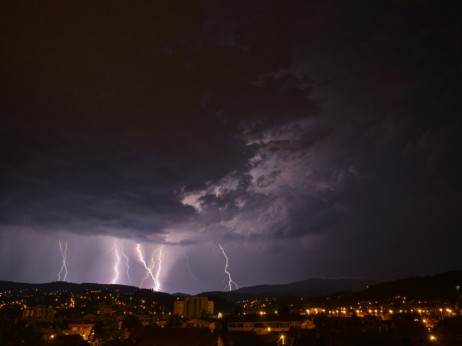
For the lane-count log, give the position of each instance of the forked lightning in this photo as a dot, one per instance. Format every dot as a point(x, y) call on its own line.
point(64, 263)
point(230, 280)
point(150, 268)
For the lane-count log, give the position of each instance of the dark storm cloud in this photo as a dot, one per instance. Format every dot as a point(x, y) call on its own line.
point(330, 127)
point(105, 117)
point(375, 173)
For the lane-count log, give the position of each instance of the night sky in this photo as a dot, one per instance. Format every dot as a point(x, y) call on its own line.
point(307, 138)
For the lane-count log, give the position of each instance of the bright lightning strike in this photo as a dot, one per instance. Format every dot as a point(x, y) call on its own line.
point(127, 266)
point(230, 280)
point(63, 269)
point(148, 269)
point(159, 268)
point(115, 248)
point(188, 267)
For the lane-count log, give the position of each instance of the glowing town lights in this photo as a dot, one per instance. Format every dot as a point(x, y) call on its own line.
point(282, 339)
point(63, 269)
point(230, 280)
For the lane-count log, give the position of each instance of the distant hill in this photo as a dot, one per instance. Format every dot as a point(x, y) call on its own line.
point(440, 285)
point(229, 296)
point(66, 286)
point(160, 297)
point(446, 285)
point(180, 294)
point(307, 288)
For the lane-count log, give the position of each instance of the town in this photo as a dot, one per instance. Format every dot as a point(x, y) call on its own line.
point(112, 316)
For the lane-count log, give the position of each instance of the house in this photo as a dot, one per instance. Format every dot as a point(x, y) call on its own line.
point(40, 313)
point(154, 336)
point(410, 331)
point(82, 329)
point(449, 331)
point(104, 310)
point(196, 323)
point(264, 324)
point(68, 340)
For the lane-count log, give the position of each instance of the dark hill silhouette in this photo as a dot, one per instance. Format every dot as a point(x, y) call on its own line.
point(440, 285)
point(308, 288)
point(445, 286)
point(65, 286)
point(180, 294)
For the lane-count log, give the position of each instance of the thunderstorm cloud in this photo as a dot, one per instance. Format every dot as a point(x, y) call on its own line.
point(309, 138)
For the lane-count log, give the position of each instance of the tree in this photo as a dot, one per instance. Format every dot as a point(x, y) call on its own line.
point(130, 322)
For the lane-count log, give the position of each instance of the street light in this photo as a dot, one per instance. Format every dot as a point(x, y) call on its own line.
point(283, 339)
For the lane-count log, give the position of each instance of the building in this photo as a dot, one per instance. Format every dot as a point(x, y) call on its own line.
point(196, 323)
point(266, 324)
point(104, 310)
point(82, 329)
point(449, 331)
point(178, 307)
point(150, 336)
point(193, 307)
point(38, 313)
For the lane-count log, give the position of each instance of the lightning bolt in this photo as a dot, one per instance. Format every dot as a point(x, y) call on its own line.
point(115, 248)
point(148, 269)
point(159, 268)
point(188, 267)
point(126, 266)
point(64, 256)
point(230, 280)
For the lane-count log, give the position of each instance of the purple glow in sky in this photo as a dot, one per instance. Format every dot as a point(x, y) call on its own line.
point(308, 138)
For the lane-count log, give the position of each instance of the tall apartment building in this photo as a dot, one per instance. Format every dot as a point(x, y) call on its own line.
point(193, 307)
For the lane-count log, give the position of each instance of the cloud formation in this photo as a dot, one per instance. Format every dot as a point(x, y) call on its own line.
point(326, 131)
